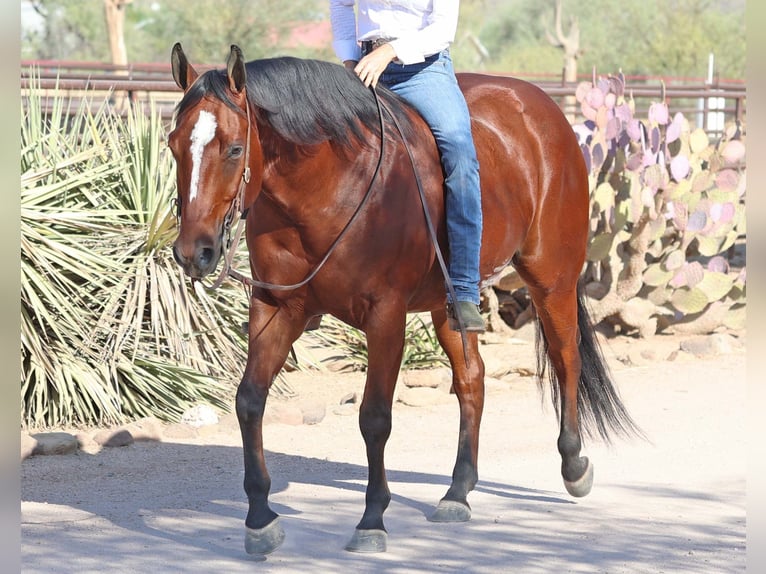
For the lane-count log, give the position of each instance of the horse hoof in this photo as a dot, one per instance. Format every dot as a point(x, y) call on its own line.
point(581, 487)
point(451, 511)
point(368, 541)
point(264, 540)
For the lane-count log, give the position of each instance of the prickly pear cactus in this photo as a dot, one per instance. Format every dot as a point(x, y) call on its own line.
point(667, 207)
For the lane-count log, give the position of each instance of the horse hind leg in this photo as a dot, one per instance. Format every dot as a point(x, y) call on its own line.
point(558, 339)
point(580, 379)
point(468, 384)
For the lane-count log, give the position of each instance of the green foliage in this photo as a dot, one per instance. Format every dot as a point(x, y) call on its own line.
point(77, 30)
point(670, 38)
point(668, 206)
point(421, 347)
point(109, 328)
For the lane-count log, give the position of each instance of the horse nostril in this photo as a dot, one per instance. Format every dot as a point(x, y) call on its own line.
point(205, 256)
point(177, 255)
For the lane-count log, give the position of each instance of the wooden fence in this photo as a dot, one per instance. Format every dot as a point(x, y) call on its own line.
point(709, 106)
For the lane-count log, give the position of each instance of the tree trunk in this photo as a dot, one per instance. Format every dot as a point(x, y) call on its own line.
point(114, 11)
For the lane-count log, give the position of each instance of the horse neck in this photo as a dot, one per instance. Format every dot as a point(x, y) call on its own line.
point(305, 181)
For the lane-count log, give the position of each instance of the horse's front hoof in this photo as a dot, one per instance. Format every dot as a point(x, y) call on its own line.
point(264, 540)
point(367, 541)
point(581, 487)
point(451, 511)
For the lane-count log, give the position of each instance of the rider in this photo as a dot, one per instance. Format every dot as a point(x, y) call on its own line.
point(405, 46)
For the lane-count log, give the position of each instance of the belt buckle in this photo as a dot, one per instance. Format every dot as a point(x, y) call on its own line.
point(370, 45)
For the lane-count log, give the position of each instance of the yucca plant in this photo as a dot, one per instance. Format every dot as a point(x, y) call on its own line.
point(421, 348)
point(110, 330)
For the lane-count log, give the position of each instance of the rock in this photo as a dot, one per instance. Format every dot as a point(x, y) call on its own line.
point(86, 443)
point(54, 443)
point(28, 445)
point(422, 396)
point(431, 378)
point(346, 409)
point(639, 356)
point(709, 345)
point(146, 429)
point(509, 280)
point(114, 437)
point(313, 411)
point(349, 399)
point(680, 356)
point(200, 415)
point(283, 412)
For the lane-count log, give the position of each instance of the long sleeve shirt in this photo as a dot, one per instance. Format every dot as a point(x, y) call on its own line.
point(419, 28)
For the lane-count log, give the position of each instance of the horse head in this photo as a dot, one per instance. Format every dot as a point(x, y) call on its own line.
point(215, 146)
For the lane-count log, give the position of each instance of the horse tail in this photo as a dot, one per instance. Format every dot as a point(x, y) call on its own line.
point(600, 409)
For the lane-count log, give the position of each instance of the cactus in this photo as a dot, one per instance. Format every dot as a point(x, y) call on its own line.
point(667, 207)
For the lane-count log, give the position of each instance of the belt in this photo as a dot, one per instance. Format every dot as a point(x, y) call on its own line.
point(370, 45)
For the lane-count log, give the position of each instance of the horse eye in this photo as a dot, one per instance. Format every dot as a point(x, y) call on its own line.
point(235, 151)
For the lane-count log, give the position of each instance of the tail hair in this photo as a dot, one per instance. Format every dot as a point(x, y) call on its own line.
point(599, 407)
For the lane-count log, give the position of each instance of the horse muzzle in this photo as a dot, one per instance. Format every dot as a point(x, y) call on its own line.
point(199, 258)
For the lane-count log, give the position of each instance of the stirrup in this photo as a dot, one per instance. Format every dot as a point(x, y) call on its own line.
point(470, 315)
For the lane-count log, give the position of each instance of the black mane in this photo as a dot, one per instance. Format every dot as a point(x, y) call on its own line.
point(304, 101)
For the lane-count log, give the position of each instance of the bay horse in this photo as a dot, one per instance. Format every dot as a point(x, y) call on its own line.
point(334, 226)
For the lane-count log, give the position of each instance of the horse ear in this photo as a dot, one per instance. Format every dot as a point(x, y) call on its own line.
point(183, 72)
point(235, 66)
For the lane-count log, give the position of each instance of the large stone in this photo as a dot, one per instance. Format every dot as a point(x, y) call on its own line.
point(313, 411)
point(283, 412)
point(86, 443)
point(432, 378)
point(199, 416)
point(709, 345)
point(54, 443)
point(146, 429)
point(28, 445)
point(114, 437)
point(422, 396)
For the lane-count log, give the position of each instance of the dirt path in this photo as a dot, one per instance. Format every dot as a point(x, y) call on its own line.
point(676, 504)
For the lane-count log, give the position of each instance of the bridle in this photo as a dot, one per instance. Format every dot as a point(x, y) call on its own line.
point(227, 270)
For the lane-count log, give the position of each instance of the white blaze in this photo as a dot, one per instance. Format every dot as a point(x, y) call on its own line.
point(201, 135)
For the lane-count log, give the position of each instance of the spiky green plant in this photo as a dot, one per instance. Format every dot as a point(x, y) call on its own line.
point(421, 348)
point(110, 330)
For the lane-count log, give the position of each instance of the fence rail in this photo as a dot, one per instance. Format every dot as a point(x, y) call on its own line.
point(709, 106)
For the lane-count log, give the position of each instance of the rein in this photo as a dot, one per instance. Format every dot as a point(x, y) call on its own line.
point(228, 271)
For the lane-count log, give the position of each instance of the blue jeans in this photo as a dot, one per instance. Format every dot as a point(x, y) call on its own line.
point(432, 89)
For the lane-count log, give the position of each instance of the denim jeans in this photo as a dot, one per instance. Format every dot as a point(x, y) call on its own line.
point(432, 89)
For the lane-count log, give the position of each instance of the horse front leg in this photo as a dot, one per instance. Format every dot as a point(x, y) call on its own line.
point(468, 384)
point(271, 332)
point(385, 344)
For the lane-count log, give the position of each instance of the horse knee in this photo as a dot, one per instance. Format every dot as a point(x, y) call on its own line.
point(250, 402)
point(375, 423)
